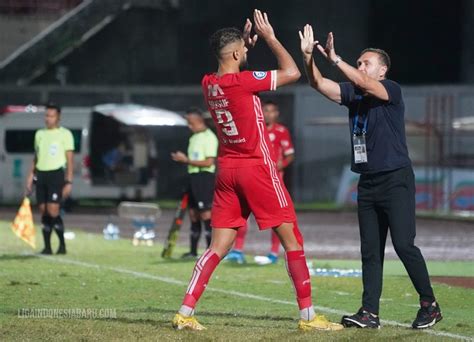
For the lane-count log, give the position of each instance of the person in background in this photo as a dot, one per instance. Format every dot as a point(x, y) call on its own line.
point(53, 169)
point(285, 153)
point(202, 152)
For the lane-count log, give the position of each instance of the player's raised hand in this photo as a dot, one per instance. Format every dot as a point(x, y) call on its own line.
point(249, 41)
point(329, 52)
point(307, 40)
point(262, 25)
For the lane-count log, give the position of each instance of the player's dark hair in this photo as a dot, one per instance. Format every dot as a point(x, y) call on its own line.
point(194, 110)
point(55, 106)
point(383, 56)
point(224, 37)
point(270, 102)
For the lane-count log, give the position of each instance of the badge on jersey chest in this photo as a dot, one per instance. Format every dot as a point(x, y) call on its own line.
point(360, 149)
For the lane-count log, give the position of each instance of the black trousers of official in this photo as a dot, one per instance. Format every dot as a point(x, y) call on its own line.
point(386, 201)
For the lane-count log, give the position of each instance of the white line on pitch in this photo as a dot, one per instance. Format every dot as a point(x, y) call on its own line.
point(239, 294)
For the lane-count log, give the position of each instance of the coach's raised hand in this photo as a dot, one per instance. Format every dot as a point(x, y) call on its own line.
point(329, 51)
point(262, 25)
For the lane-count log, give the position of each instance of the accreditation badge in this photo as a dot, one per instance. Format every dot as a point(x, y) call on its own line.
point(360, 150)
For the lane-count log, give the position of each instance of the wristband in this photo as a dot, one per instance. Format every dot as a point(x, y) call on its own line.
point(67, 182)
point(336, 62)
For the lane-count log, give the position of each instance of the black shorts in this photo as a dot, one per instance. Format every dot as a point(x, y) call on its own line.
point(201, 190)
point(49, 186)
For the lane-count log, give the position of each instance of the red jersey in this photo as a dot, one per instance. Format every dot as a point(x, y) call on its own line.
point(281, 141)
point(234, 105)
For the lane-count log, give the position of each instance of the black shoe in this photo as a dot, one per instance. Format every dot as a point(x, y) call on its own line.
point(61, 250)
point(427, 316)
point(46, 251)
point(362, 319)
point(189, 256)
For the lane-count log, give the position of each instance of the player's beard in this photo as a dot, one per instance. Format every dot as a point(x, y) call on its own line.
point(244, 65)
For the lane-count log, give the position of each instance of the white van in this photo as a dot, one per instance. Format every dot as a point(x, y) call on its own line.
point(129, 130)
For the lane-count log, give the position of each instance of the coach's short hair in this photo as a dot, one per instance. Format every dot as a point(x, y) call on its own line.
point(224, 37)
point(383, 56)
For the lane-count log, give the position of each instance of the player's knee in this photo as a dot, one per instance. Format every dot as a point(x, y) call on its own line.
point(298, 235)
point(207, 225)
point(57, 223)
point(206, 215)
point(292, 246)
point(220, 249)
point(195, 234)
point(193, 215)
point(293, 241)
point(46, 220)
point(221, 252)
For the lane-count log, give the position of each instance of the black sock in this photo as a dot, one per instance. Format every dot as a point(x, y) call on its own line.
point(195, 235)
point(58, 225)
point(46, 221)
point(207, 225)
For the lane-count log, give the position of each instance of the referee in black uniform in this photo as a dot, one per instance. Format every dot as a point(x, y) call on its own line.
point(386, 190)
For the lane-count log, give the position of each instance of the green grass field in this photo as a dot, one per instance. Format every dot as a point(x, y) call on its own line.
point(242, 302)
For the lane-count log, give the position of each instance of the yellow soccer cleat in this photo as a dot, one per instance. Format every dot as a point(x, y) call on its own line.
point(181, 322)
point(319, 322)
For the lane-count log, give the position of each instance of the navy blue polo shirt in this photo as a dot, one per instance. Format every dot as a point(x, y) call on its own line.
point(385, 136)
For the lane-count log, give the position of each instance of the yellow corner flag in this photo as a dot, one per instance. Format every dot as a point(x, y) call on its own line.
point(23, 226)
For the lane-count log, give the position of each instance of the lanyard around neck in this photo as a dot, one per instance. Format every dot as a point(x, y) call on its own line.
point(355, 129)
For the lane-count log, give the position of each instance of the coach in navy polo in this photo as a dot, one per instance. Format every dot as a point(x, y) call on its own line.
point(386, 190)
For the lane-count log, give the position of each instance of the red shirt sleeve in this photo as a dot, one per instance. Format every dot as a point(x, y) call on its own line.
point(257, 81)
point(286, 143)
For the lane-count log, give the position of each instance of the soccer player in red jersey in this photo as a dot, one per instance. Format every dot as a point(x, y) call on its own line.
point(279, 136)
point(283, 147)
point(247, 179)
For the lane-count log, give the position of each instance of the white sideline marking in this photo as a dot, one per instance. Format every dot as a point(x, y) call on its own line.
point(239, 294)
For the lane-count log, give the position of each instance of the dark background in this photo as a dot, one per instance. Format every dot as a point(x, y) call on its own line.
point(154, 46)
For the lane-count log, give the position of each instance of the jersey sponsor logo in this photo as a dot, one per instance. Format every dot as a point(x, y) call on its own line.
point(237, 141)
point(259, 75)
point(214, 90)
